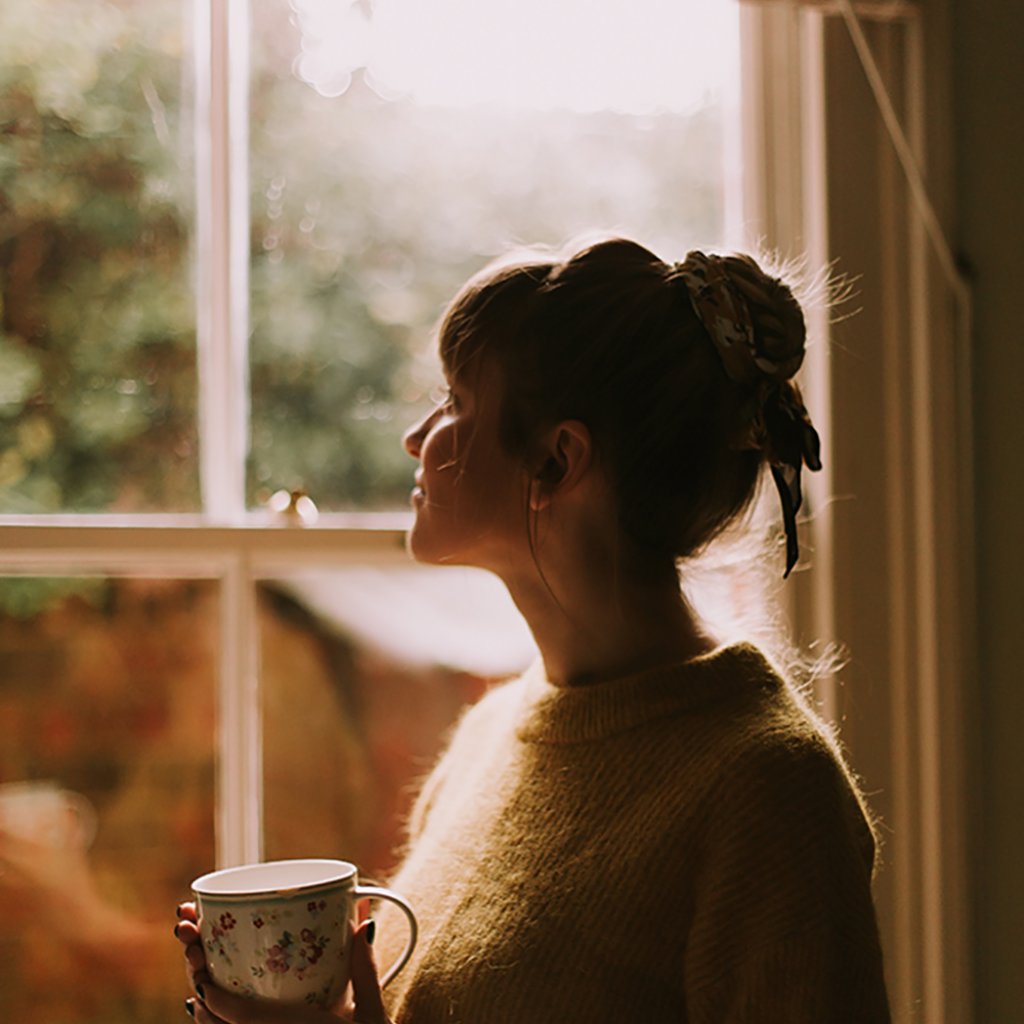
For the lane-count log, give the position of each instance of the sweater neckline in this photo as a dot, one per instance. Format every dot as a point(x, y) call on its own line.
point(576, 714)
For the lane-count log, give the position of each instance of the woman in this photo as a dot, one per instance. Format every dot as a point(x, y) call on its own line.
point(647, 826)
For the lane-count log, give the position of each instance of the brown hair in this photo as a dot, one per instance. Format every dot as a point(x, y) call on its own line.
point(608, 336)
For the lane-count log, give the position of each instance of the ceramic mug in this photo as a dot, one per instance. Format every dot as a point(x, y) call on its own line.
point(44, 812)
point(282, 930)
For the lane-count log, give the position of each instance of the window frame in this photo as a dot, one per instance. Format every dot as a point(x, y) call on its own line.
point(226, 542)
point(237, 559)
point(892, 515)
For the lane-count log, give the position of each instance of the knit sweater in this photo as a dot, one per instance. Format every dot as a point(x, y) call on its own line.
point(683, 845)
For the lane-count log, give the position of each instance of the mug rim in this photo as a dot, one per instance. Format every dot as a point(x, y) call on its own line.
point(334, 872)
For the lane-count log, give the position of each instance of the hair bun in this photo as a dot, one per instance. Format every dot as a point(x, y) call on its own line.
point(758, 330)
point(780, 333)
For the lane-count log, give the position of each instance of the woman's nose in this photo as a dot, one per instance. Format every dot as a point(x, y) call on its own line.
point(412, 439)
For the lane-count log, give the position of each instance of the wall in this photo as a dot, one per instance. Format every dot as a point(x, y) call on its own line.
point(973, 136)
point(988, 147)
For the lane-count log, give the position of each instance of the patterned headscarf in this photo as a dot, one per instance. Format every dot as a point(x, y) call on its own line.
point(779, 425)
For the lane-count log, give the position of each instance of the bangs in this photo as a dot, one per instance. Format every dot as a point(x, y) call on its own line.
point(489, 312)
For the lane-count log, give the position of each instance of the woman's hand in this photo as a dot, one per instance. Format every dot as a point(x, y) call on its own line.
point(213, 1005)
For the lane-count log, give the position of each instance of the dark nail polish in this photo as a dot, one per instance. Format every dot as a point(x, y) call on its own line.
point(177, 910)
point(200, 993)
point(177, 928)
point(190, 1008)
point(371, 931)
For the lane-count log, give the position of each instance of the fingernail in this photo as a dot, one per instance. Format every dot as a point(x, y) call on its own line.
point(177, 910)
point(371, 931)
point(190, 1008)
point(177, 927)
point(200, 993)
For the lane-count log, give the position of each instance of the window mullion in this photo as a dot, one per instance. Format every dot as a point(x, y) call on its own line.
point(240, 765)
point(222, 342)
point(222, 255)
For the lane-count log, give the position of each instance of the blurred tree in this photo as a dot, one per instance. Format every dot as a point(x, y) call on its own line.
point(97, 404)
point(366, 214)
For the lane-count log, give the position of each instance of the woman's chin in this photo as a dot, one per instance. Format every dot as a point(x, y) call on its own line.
point(418, 546)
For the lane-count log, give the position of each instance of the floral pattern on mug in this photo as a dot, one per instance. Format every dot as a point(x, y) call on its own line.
point(263, 917)
point(221, 943)
point(278, 957)
point(321, 998)
point(240, 987)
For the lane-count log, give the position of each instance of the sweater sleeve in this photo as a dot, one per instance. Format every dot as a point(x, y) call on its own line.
point(784, 930)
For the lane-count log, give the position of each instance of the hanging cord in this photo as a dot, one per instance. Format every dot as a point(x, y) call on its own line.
point(915, 180)
point(958, 282)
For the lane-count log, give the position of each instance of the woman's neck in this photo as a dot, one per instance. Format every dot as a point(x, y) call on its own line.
point(589, 630)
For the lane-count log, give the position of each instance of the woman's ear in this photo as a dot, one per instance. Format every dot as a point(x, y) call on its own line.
point(566, 455)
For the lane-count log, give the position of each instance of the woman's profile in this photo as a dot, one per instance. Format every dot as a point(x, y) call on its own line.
point(648, 825)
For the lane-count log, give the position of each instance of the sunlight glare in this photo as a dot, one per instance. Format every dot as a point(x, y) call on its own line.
point(631, 56)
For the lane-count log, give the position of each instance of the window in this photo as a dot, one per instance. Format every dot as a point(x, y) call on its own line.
point(224, 236)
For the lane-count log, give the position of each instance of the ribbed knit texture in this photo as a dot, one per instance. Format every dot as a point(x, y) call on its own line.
point(682, 845)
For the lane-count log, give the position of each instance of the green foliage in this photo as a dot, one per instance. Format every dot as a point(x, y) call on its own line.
point(366, 214)
point(24, 597)
point(97, 409)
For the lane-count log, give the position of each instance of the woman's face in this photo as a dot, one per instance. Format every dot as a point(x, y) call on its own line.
point(470, 495)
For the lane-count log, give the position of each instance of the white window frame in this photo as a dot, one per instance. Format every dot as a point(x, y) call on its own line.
point(225, 543)
point(236, 558)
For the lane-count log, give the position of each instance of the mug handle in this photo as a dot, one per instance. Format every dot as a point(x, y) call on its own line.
point(375, 892)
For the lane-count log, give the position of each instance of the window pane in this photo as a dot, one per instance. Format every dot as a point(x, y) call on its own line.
point(106, 792)
point(394, 152)
point(364, 671)
point(97, 357)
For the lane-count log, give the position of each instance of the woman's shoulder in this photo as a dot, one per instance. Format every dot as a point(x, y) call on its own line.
point(482, 723)
point(771, 757)
point(476, 735)
point(769, 716)
point(787, 774)
point(498, 705)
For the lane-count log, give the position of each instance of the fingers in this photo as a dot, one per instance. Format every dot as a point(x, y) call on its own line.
point(186, 931)
point(369, 1005)
point(200, 1013)
point(195, 965)
point(216, 1006)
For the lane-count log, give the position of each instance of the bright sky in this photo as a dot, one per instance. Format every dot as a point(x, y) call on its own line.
point(635, 56)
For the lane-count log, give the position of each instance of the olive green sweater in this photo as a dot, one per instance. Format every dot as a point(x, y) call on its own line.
point(683, 845)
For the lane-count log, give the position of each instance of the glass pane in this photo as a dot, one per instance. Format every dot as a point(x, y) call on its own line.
point(364, 672)
point(97, 347)
point(394, 150)
point(106, 792)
